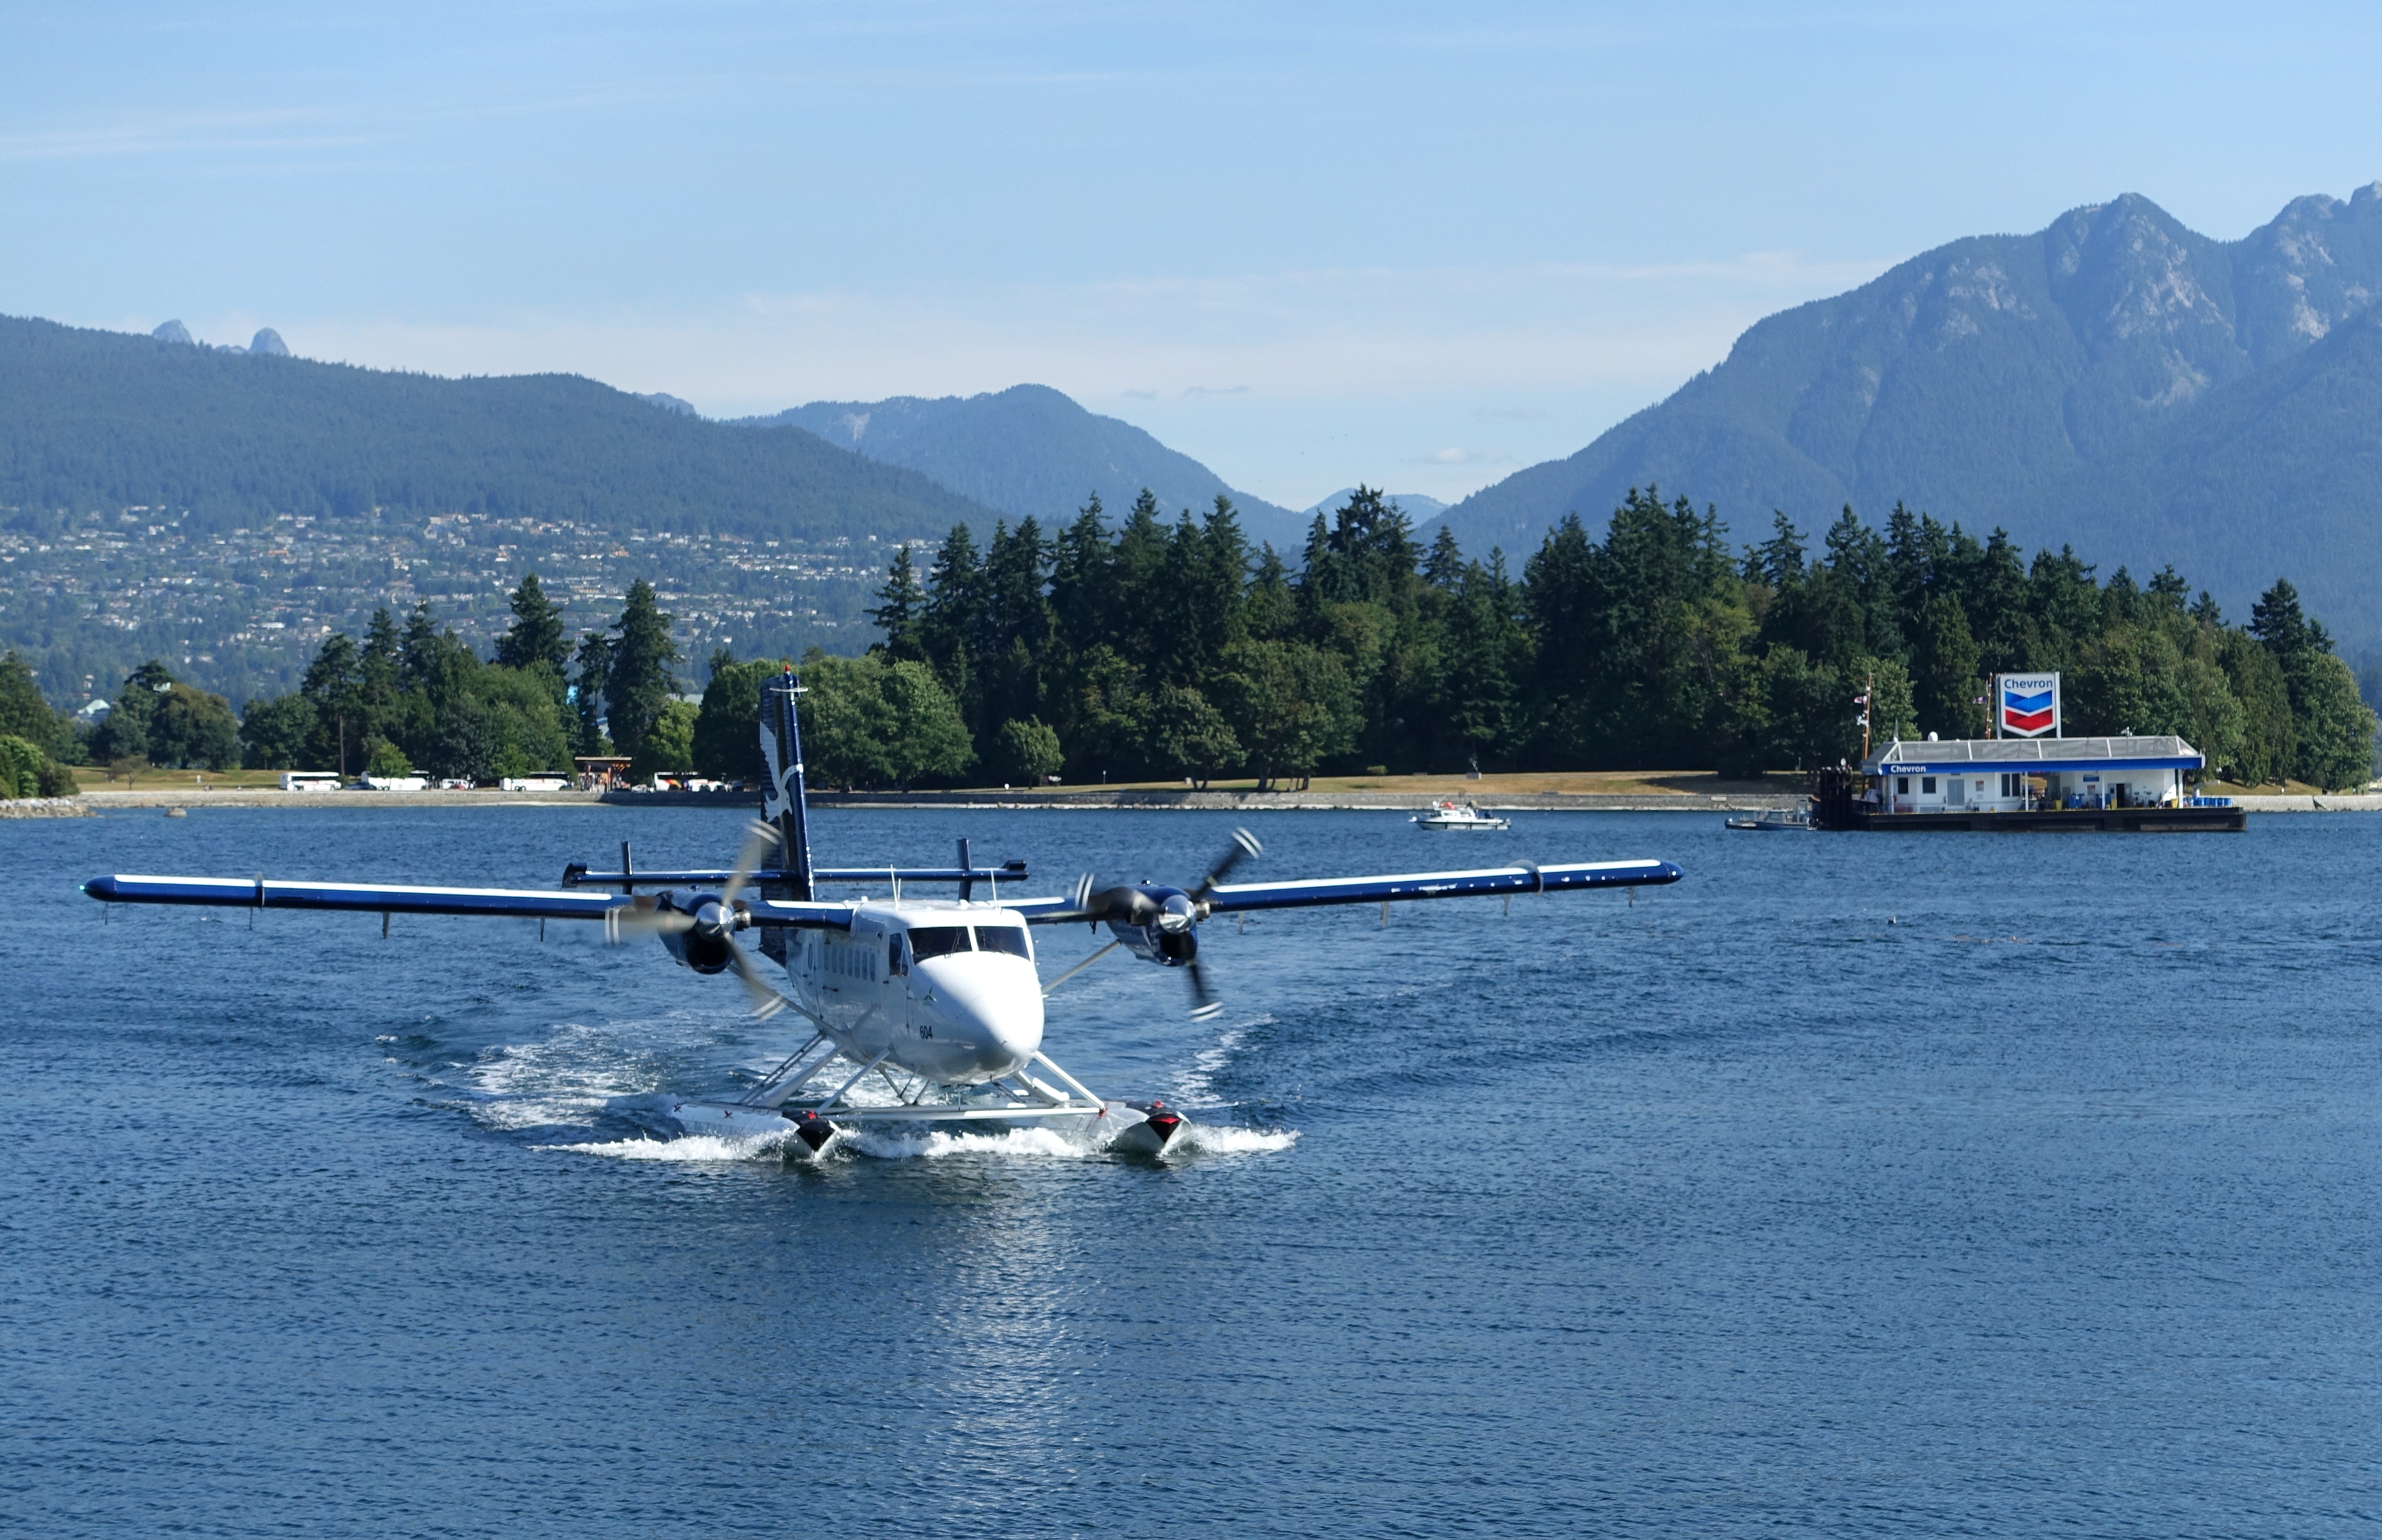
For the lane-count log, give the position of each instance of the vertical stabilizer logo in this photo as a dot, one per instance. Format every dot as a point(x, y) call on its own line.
point(2029, 704)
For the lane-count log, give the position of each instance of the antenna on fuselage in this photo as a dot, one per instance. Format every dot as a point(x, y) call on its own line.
point(784, 804)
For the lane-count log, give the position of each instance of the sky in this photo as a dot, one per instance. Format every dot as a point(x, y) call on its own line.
point(1417, 246)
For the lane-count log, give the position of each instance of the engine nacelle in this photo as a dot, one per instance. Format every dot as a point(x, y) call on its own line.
point(705, 945)
point(1160, 925)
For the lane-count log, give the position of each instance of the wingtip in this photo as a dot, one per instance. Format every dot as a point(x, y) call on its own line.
point(101, 888)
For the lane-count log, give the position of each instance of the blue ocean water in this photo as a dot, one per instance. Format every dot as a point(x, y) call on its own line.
point(1860, 1183)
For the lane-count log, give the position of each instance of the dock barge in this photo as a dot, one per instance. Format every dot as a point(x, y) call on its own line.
point(2128, 784)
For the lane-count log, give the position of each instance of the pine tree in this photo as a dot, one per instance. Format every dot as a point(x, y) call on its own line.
point(639, 682)
point(901, 610)
point(1946, 679)
point(536, 634)
point(955, 601)
point(588, 693)
point(2277, 621)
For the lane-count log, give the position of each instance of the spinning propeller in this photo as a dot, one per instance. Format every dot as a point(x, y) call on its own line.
point(1162, 923)
point(703, 937)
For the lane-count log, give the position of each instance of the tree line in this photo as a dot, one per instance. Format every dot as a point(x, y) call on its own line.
point(1149, 648)
point(1155, 649)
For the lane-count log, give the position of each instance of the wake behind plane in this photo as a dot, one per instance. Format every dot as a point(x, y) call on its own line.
point(936, 1001)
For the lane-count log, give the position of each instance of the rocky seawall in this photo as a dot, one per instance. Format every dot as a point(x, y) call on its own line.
point(44, 807)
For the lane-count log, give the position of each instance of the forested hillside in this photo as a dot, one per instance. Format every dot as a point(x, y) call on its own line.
point(2116, 381)
point(100, 421)
point(1029, 452)
point(219, 510)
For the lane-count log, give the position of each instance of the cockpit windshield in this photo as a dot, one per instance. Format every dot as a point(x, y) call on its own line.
point(1003, 938)
point(927, 941)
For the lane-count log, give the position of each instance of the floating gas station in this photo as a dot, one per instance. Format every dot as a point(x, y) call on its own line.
point(2026, 777)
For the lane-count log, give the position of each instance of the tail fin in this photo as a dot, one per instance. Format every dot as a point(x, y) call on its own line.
point(781, 750)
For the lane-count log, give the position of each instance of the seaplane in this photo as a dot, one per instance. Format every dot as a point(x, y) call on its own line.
point(923, 1011)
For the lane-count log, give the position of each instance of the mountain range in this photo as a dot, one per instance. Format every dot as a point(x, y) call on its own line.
point(2116, 382)
point(91, 419)
point(1031, 451)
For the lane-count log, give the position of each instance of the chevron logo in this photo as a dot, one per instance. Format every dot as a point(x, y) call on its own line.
point(2029, 704)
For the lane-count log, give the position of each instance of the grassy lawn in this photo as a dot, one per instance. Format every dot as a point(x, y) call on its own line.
point(93, 777)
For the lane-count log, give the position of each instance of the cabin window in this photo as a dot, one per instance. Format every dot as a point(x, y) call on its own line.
point(1003, 938)
point(1927, 786)
point(894, 965)
point(927, 941)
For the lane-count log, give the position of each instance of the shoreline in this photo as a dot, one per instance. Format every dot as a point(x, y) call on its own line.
point(91, 802)
point(1207, 802)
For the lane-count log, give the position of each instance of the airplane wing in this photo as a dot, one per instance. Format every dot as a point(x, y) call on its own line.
point(1226, 897)
point(384, 899)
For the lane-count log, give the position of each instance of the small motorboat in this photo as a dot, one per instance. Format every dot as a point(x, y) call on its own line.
point(1448, 815)
point(1776, 818)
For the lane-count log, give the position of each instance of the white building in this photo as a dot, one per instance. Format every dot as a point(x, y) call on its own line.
point(2024, 775)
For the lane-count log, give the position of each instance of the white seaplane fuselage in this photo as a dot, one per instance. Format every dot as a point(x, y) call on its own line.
point(943, 989)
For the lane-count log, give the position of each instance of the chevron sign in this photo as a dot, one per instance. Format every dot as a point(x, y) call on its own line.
point(2029, 704)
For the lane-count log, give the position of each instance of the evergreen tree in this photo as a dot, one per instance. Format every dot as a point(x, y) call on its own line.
point(901, 610)
point(1084, 602)
point(954, 606)
point(588, 693)
point(333, 687)
point(1946, 678)
point(2277, 621)
point(1778, 561)
point(639, 682)
point(24, 712)
point(537, 635)
point(2336, 728)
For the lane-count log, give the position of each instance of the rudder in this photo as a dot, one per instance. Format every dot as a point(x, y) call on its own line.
point(784, 803)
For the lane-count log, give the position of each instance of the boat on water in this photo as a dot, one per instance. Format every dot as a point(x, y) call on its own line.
point(1449, 816)
point(1774, 819)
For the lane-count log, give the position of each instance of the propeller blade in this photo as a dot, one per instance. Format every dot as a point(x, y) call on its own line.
point(1203, 1004)
point(643, 917)
point(759, 840)
point(1243, 846)
point(766, 1002)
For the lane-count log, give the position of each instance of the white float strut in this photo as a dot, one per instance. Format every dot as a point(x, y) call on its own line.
point(783, 1094)
point(783, 1065)
point(1079, 968)
point(855, 1080)
point(1070, 1082)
